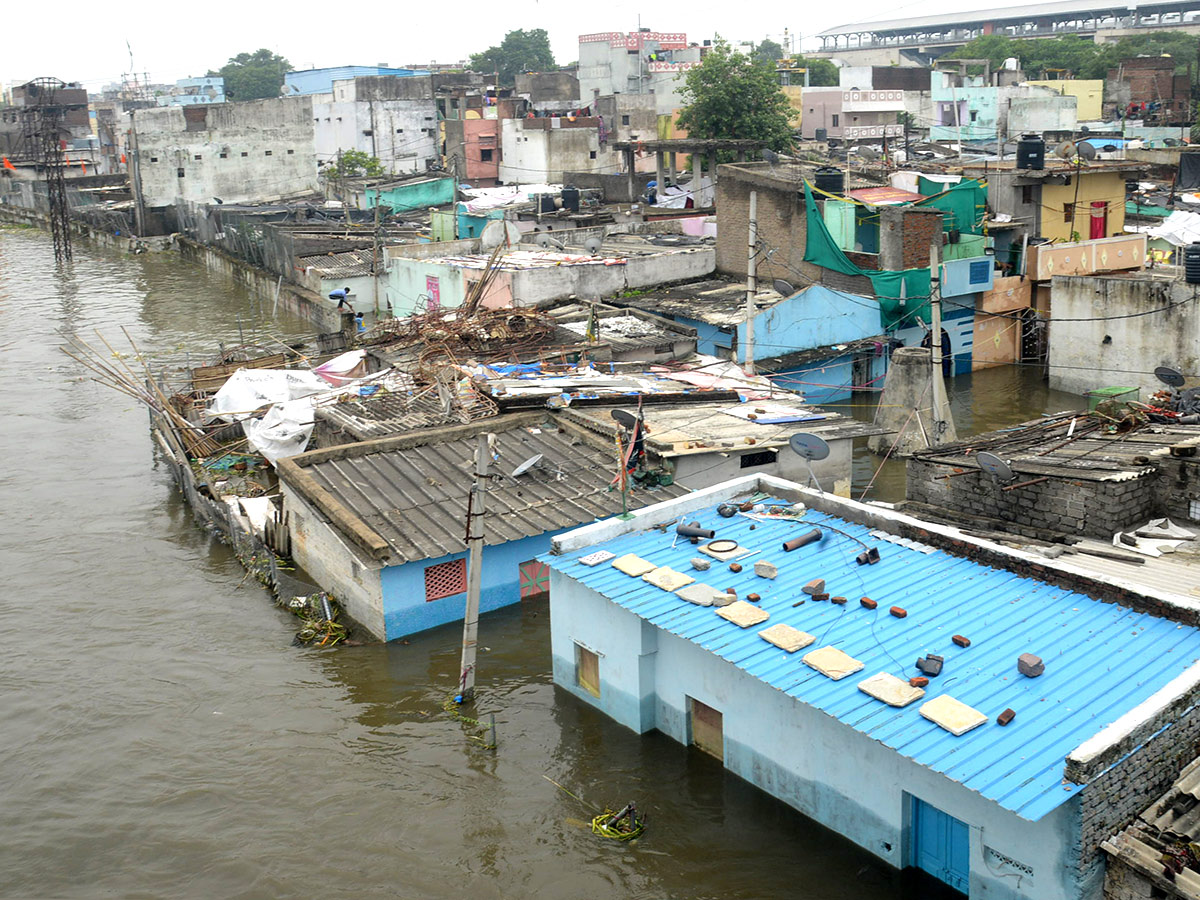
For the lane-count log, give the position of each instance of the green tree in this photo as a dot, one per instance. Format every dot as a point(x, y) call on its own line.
point(821, 72)
point(731, 97)
point(254, 76)
point(520, 51)
point(1077, 55)
point(353, 164)
point(767, 52)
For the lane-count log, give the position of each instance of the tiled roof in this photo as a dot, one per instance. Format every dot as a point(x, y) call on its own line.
point(1101, 659)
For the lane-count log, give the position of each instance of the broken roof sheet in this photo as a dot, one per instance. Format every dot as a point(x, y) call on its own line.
point(1095, 653)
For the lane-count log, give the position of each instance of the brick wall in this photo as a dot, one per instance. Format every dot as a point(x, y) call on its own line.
point(905, 235)
point(1115, 798)
point(1177, 485)
point(1093, 508)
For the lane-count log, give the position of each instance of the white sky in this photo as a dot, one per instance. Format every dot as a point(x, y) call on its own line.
point(173, 41)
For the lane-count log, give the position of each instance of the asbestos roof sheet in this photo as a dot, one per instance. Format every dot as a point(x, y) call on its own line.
point(416, 498)
point(1101, 659)
point(347, 264)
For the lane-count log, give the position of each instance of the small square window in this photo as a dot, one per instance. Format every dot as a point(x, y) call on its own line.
point(399, 131)
point(624, 120)
point(1027, 193)
point(290, 152)
point(179, 172)
point(587, 670)
point(245, 153)
point(224, 156)
point(154, 159)
point(267, 152)
point(485, 155)
point(592, 154)
point(445, 579)
point(368, 132)
point(197, 156)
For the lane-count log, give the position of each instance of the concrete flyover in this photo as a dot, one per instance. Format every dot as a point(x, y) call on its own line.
point(919, 39)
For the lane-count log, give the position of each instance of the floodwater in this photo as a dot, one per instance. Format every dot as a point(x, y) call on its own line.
point(161, 737)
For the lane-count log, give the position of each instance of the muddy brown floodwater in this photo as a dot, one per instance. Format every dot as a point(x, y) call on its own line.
point(162, 738)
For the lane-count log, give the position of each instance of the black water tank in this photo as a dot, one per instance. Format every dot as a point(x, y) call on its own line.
point(829, 180)
point(1191, 263)
point(570, 199)
point(821, 134)
point(1031, 152)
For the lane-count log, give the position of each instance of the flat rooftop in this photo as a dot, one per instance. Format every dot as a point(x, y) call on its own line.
point(715, 301)
point(1102, 660)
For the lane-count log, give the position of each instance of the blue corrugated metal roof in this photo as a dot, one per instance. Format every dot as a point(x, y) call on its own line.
point(1101, 659)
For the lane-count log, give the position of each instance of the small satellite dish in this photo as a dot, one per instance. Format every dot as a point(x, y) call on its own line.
point(624, 419)
point(542, 240)
point(867, 153)
point(592, 245)
point(770, 155)
point(527, 465)
point(1065, 150)
point(1087, 151)
point(1168, 376)
point(783, 288)
point(994, 466)
point(809, 446)
point(497, 232)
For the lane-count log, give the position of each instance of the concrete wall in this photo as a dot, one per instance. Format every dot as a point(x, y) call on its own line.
point(809, 760)
point(1088, 94)
point(1080, 357)
point(1040, 114)
point(336, 565)
point(401, 133)
point(473, 150)
point(408, 285)
point(821, 108)
point(536, 151)
point(1097, 187)
point(240, 152)
point(816, 317)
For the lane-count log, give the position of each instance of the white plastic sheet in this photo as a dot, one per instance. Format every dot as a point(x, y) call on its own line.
point(284, 431)
point(248, 390)
point(350, 366)
point(1179, 228)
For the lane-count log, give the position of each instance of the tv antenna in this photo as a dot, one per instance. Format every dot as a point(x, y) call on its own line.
point(810, 447)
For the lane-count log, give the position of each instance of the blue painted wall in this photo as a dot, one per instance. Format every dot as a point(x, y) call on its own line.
point(972, 275)
point(320, 81)
point(413, 195)
point(471, 225)
point(959, 322)
point(828, 380)
point(708, 337)
point(405, 610)
point(815, 317)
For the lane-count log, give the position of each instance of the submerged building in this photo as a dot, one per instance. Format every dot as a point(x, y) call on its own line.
point(980, 714)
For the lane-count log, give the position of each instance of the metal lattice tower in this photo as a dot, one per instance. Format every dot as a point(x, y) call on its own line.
point(44, 128)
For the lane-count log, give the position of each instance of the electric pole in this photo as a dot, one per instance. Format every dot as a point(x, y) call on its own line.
point(935, 347)
point(475, 509)
point(751, 281)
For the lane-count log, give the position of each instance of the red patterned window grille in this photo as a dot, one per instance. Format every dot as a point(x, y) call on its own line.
point(445, 579)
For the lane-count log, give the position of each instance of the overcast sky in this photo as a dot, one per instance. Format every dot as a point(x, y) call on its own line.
point(173, 41)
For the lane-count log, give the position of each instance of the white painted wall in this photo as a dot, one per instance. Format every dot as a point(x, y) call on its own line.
point(402, 134)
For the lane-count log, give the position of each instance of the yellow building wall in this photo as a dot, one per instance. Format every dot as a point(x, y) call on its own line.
point(1057, 200)
point(1088, 94)
point(795, 101)
point(668, 129)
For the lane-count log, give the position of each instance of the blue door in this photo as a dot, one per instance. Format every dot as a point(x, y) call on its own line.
point(941, 845)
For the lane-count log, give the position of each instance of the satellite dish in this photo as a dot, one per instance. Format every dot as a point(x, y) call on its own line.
point(783, 288)
point(497, 232)
point(1168, 376)
point(809, 446)
point(994, 466)
point(1087, 151)
point(527, 465)
point(542, 240)
point(1065, 150)
point(868, 154)
point(624, 419)
point(770, 155)
point(592, 245)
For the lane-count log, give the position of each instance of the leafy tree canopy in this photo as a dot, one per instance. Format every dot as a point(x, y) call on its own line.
point(354, 163)
point(1079, 56)
point(254, 76)
point(732, 97)
point(821, 72)
point(520, 51)
point(767, 51)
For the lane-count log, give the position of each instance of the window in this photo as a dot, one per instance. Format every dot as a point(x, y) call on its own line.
point(835, 120)
point(974, 113)
point(761, 458)
point(267, 152)
point(399, 131)
point(368, 132)
point(197, 156)
point(485, 155)
point(587, 670)
point(445, 579)
point(154, 159)
point(592, 154)
point(624, 120)
point(1068, 208)
point(245, 153)
point(224, 156)
point(1027, 193)
point(179, 172)
point(290, 152)
point(707, 727)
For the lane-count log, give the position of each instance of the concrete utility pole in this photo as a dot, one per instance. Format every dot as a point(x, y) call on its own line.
point(751, 281)
point(475, 509)
point(375, 256)
point(940, 412)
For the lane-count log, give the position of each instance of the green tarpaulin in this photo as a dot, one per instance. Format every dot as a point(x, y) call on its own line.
point(822, 250)
point(965, 203)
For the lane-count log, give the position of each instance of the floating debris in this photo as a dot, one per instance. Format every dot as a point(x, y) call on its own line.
point(318, 614)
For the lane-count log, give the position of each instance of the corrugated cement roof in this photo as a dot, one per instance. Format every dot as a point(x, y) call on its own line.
point(1101, 659)
point(416, 498)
